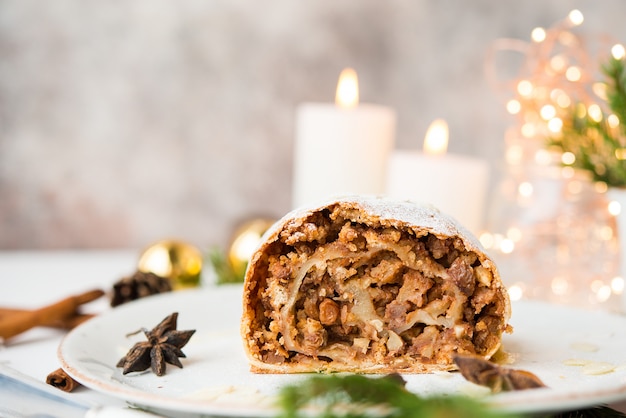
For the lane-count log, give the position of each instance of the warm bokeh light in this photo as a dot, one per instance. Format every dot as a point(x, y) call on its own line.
point(600, 187)
point(555, 125)
point(558, 63)
point(575, 187)
point(528, 130)
point(514, 155)
point(606, 233)
point(525, 189)
point(561, 98)
point(599, 89)
point(513, 106)
point(525, 88)
point(543, 157)
point(538, 34)
point(507, 246)
point(573, 73)
point(617, 285)
point(603, 293)
point(614, 208)
point(595, 112)
point(514, 234)
point(568, 158)
point(576, 17)
point(547, 112)
point(559, 285)
point(568, 172)
point(618, 52)
point(515, 292)
point(487, 240)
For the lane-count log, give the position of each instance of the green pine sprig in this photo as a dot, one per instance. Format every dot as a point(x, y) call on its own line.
point(615, 71)
point(598, 147)
point(358, 396)
point(224, 271)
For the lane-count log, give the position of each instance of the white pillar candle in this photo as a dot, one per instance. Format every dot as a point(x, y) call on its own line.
point(455, 184)
point(341, 148)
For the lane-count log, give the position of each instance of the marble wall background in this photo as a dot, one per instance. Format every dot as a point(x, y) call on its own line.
point(124, 122)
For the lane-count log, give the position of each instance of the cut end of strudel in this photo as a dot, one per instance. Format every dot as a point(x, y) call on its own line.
point(370, 285)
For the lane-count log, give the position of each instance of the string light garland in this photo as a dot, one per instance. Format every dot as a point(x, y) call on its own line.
point(551, 228)
point(564, 98)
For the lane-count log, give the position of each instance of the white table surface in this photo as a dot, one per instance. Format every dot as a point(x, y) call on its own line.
point(31, 279)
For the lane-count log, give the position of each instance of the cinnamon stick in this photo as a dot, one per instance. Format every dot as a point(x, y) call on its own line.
point(12, 325)
point(69, 322)
point(61, 380)
point(72, 321)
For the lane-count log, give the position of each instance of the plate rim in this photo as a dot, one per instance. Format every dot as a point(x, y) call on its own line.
point(138, 397)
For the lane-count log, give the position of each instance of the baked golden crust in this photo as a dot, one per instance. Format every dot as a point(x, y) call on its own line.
point(370, 285)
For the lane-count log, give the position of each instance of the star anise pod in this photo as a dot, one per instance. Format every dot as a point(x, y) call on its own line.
point(499, 379)
point(163, 346)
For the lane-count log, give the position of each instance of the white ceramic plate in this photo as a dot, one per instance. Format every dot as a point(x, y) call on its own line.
point(216, 380)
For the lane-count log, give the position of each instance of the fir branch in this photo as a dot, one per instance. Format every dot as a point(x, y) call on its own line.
point(357, 396)
point(615, 71)
point(597, 146)
point(222, 267)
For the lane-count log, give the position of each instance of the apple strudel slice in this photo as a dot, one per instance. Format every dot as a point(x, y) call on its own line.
point(370, 285)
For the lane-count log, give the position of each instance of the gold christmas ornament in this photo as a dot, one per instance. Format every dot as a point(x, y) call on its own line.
point(178, 261)
point(244, 242)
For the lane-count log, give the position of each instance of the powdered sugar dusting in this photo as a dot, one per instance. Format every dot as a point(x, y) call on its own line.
point(411, 213)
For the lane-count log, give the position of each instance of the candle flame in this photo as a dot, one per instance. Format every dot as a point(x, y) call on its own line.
point(436, 141)
point(347, 89)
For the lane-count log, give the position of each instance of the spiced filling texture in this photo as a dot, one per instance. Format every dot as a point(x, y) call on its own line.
point(335, 291)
